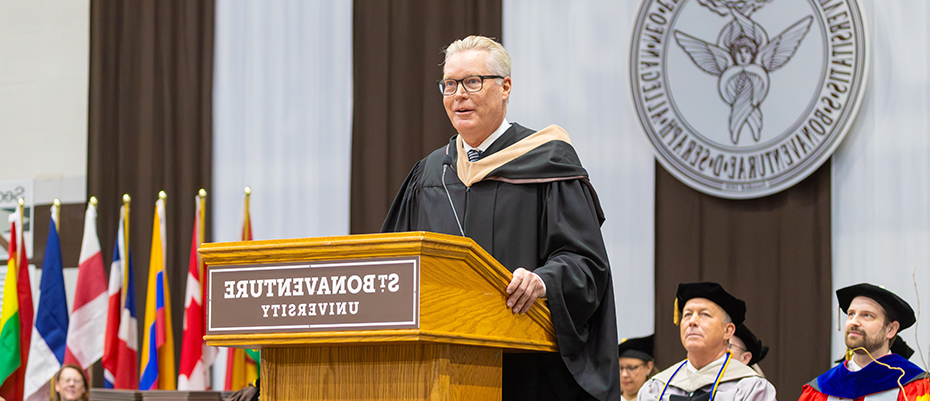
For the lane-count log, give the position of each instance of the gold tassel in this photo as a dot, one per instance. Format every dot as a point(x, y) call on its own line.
point(676, 318)
point(849, 353)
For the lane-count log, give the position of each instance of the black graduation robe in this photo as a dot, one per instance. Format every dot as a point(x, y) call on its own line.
point(529, 203)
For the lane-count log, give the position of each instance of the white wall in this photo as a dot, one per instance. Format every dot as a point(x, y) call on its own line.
point(282, 117)
point(43, 94)
point(881, 172)
point(571, 68)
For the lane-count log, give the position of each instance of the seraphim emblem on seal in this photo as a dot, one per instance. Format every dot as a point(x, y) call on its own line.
point(743, 58)
point(737, 113)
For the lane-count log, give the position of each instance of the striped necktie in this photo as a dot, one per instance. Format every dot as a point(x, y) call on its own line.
point(474, 155)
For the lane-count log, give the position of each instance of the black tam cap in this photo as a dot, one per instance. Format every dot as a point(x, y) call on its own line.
point(639, 348)
point(753, 344)
point(895, 307)
point(734, 307)
point(900, 347)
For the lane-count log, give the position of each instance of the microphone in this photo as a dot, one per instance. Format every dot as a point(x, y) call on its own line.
point(446, 162)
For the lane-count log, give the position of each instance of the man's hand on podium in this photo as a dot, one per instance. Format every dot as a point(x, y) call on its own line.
point(524, 289)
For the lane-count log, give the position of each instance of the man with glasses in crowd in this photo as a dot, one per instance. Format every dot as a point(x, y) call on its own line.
point(525, 198)
point(747, 348)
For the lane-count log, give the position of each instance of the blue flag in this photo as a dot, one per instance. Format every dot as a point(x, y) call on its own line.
point(50, 333)
point(52, 313)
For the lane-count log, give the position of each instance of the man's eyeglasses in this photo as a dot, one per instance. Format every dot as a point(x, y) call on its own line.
point(471, 83)
point(631, 369)
point(737, 347)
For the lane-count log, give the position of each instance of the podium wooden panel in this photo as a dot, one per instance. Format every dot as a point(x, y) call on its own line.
point(454, 354)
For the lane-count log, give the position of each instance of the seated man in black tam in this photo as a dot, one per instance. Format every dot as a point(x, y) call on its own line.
point(874, 317)
point(708, 319)
point(747, 348)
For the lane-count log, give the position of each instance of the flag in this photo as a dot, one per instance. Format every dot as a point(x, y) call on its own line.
point(157, 371)
point(89, 314)
point(122, 340)
point(114, 308)
point(50, 332)
point(11, 341)
point(242, 366)
point(19, 289)
point(196, 356)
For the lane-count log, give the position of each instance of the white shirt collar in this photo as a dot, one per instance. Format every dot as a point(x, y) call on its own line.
point(853, 367)
point(692, 369)
point(490, 139)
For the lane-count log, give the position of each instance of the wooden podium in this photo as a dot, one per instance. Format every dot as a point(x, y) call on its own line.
point(451, 351)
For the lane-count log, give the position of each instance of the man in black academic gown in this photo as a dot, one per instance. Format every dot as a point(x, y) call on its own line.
point(525, 198)
point(747, 348)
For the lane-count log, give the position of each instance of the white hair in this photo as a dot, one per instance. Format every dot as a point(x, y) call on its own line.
point(498, 60)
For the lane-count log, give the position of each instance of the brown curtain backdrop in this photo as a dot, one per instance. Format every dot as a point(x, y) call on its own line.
point(772, 252)
point(150, 128)
point(398, 116)
point(71, 231)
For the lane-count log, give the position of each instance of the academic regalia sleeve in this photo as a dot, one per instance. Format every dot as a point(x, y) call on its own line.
point(579, 288)
point(753, 389)
point(917, 390)
point(402, 214)
point(808, 393)
point(650, 391)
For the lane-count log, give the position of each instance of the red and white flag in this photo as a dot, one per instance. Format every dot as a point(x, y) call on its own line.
point(88, 322)
point(196, 356)
point(120, 363)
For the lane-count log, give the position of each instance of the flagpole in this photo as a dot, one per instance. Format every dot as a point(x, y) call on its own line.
point(57, 204)
point(124, 251)
point(245, 226)
point(93, 202)
point(163, 197)
point(19, 210)
point(201, 230)
point(126, 201)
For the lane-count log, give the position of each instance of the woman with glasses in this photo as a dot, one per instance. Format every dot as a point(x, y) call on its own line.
point(70, 384)
point(636, 365)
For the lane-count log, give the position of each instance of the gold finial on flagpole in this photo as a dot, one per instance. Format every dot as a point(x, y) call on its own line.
point(126, 199)
point(162, 195)
point(19, 211)
point(57, 204)
point(93, 201)
point(245, 227)
point(202, 193)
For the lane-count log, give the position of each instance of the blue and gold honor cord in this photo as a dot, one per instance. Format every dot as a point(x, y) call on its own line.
point(713, 392)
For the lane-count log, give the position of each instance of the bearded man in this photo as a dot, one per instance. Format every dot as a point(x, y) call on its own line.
point(874, 318)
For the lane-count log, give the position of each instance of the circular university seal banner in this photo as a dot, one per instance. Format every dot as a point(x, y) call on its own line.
point(744, 98)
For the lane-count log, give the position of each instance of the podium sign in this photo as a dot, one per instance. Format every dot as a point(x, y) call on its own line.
point(344, 295)
point(400, 316)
